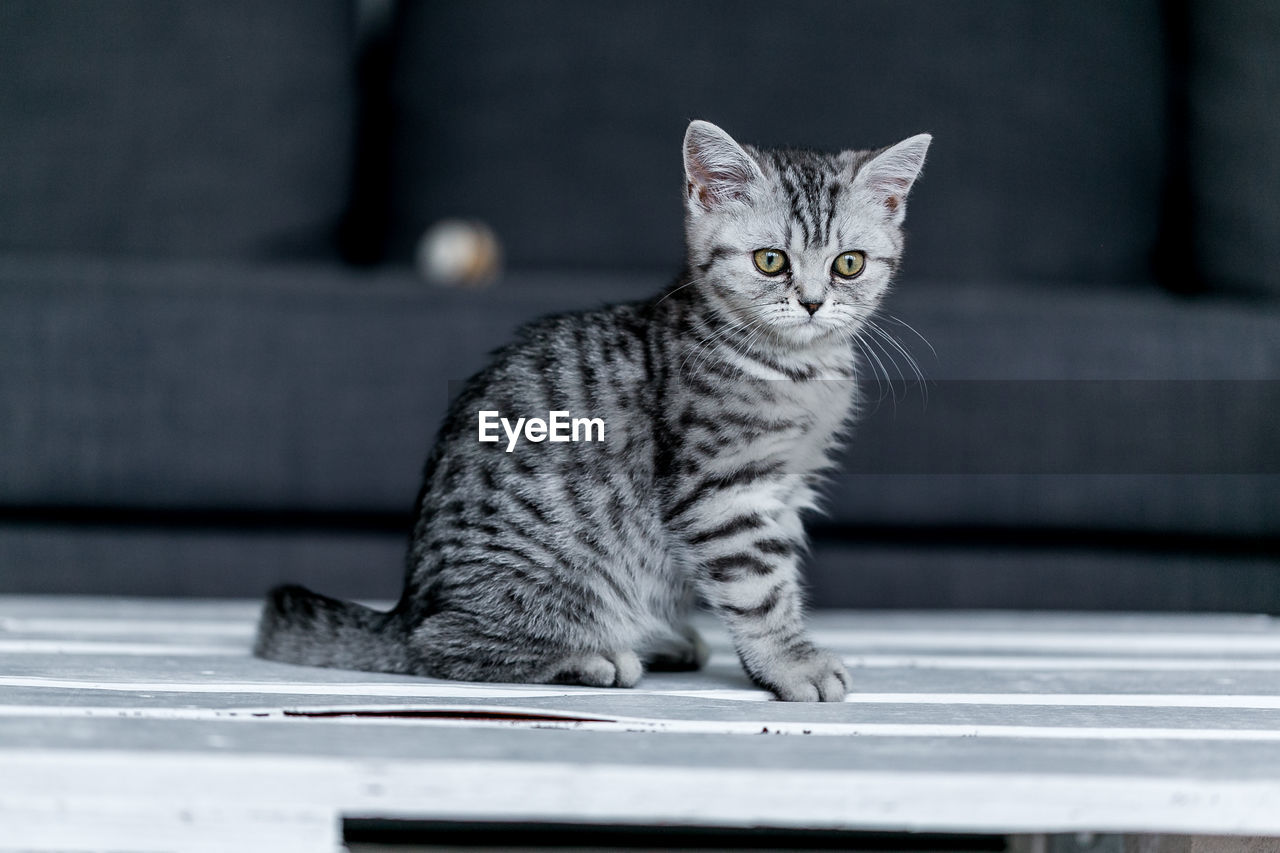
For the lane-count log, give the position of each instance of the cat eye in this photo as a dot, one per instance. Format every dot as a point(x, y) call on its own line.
point(849, 264)
point(770, 261)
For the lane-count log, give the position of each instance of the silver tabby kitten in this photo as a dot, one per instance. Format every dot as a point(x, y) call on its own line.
point(722, 402)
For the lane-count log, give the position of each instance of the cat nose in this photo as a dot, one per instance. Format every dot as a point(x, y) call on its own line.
point(812, 307)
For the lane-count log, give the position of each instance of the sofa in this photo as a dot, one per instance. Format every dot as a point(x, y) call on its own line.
point(220, 369)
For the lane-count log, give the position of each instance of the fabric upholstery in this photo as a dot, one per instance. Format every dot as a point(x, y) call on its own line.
point(122, 560)
point(304, 388)
point(1062, 577)
point(175, 129)
point(560, 123)
point(168, 364)
point(1235, 141)
point(220, 563)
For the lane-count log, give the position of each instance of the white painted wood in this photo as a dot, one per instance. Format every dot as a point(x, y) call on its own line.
point(98, 647)
point(432, 689)
point(637, 794)
point(238, 628)
point(152, 825)
point(370, 716)
point(141, 725)
point(1043, 663)
point(1217, 692)
point(1028, 641)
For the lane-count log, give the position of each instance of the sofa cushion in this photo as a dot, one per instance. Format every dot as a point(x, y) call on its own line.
point(1235, 141)
point(1110, 409)
point(232, 564)
point(560, 124)
point(174, 129)
point(310, 389)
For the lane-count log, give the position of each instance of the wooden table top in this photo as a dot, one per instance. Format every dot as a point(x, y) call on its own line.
point(146, 724)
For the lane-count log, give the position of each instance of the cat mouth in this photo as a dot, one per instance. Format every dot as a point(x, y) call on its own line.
point(805, 331)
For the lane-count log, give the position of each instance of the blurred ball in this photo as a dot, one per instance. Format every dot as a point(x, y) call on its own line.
point(459, 253)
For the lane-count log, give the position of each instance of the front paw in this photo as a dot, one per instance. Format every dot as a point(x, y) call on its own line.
point(617, 669)
point(818, 677)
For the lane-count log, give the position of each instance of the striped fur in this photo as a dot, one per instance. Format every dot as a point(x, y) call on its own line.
point(723, 400)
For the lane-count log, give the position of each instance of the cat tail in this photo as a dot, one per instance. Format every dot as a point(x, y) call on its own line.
point(302, 627)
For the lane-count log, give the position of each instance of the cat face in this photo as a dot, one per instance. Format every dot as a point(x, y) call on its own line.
point(798, 244)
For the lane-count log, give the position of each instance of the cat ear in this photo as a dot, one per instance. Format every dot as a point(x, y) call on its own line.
point(890, 174)
point(717, 169)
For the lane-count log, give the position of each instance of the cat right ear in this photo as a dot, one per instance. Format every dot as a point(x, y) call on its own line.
point(717, 170)
point(890, 174)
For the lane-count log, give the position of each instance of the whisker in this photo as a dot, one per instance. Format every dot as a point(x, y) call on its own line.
point(699, 345)
point(910, 359)
point(688, 283)
point(871, 365)
point(888, 354)
point(750, 328)
point(901, 347)
point(707, 341)
point(913, 331)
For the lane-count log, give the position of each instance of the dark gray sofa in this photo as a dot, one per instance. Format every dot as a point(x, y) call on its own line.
point(218, 370)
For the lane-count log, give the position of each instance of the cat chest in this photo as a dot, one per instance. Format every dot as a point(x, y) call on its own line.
point(794, 424)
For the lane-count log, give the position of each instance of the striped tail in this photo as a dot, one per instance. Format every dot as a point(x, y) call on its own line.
point(302, 627)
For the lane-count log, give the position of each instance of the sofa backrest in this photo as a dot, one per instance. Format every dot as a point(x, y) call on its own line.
point(1233, 100)
point(175, 129)
point(560, 123)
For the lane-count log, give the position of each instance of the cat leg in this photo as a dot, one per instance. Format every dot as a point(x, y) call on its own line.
point(771, 641)
point(682, 652)
point(749, 575)
point(615, 669)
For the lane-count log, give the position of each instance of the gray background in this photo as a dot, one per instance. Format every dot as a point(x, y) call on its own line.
point(218, 371)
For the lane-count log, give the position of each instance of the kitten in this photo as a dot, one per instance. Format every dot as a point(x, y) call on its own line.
point(722, 403)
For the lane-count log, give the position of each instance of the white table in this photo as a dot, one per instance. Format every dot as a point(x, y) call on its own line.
point(146, 725)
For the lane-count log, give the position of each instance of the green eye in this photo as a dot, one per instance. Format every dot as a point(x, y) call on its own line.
point(849, 264)
point(770, 261)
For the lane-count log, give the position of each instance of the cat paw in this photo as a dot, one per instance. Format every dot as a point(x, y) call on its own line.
point(819, 677)
point(617, 669)
point(686, 653)
point(627, 668)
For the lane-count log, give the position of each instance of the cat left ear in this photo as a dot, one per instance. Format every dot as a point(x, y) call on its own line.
point(890, 174)
point(716, 168)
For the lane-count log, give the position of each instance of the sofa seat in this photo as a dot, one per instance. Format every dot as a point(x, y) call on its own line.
point(145, 399)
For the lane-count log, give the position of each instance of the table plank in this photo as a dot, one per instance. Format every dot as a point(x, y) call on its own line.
point(976, 722)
